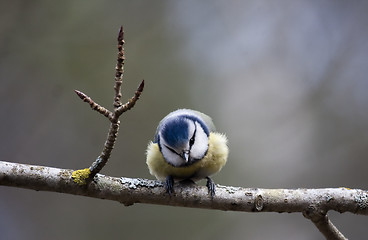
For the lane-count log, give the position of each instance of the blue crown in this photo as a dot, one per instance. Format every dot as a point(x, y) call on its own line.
point(175, 132)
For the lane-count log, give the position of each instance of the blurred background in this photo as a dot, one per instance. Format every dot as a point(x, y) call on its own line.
point(285, 80)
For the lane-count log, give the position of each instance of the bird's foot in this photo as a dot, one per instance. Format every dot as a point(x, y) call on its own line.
point(169, 185)
point(211, 187)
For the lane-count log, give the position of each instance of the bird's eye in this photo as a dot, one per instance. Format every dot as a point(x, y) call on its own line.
point(191, 141)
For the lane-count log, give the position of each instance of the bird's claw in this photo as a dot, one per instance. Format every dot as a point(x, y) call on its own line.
point(211, 187)
point(169, 185)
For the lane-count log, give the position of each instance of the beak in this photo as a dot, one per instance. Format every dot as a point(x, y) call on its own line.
point(186, 155)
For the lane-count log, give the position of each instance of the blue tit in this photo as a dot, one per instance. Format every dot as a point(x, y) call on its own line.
point(186, 146)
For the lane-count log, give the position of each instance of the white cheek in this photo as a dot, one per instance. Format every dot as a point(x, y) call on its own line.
point(200, 145)
point(170, 157)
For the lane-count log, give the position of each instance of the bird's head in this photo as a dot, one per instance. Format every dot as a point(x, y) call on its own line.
point(183, 140)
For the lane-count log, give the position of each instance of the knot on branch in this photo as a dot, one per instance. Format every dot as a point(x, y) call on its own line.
point(258, 203)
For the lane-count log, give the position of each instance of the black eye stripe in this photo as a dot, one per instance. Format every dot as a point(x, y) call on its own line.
point(172, 150)
point(191, 141)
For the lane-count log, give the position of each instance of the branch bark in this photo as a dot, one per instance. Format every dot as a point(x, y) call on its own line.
point(135, 190)
point(313, 203)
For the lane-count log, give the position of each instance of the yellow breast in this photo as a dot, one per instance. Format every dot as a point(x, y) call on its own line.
point(214, 160)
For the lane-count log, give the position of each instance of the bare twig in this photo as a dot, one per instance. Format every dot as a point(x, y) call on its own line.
point(131, 102)
point(119, 69)
point(84, 176)
point(95, 106)
point(106, 151)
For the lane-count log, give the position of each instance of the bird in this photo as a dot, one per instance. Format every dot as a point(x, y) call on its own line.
point(186, 146)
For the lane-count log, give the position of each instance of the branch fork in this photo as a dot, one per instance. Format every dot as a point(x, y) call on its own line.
point(84, 176)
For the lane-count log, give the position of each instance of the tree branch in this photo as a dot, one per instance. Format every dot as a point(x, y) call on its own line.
point(135, 190)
